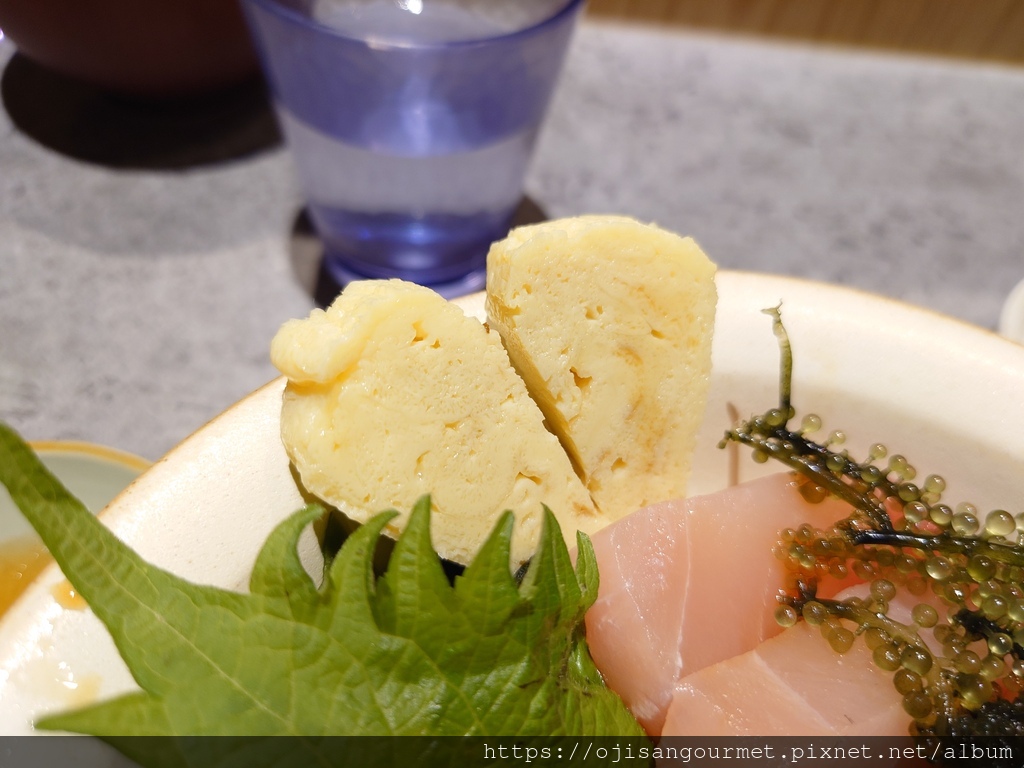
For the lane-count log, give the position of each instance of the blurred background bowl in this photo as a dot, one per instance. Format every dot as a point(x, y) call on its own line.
point(140, 48)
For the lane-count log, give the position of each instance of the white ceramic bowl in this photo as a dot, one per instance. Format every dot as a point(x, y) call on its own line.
point(945, 394)
point(1011, 318)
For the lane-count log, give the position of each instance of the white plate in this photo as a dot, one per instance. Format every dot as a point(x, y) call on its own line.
point(945, 394)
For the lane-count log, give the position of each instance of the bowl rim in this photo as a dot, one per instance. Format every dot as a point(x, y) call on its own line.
point(97, 451)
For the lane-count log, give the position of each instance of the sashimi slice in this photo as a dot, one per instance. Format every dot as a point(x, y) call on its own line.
point(791, 685)
point(689, 583)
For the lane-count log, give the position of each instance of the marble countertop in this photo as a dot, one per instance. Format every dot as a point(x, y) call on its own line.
point(146, 259)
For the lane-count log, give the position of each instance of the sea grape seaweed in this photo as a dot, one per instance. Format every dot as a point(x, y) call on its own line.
point(966, 569)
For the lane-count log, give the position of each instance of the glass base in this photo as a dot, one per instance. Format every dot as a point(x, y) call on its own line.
point(446, 252)
point(325, 272)
point(474, 281)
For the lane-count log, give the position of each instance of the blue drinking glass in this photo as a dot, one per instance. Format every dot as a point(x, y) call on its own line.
point(411, 123)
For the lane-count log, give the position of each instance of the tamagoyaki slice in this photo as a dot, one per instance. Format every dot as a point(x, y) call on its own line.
point(394, 393)
point(609, 321)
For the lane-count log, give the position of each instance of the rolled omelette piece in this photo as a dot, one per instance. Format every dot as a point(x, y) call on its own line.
point(609, 322)
point(394, 393)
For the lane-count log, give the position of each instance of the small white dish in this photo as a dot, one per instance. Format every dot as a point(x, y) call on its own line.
point(941, 392)
point(94, 473)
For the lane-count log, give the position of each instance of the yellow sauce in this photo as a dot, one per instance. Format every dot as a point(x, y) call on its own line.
point(76, 690)
point(21, 560)
point(67, 596)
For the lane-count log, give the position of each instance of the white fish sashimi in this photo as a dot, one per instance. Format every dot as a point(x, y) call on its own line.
point(687, 584)
point(793, 684)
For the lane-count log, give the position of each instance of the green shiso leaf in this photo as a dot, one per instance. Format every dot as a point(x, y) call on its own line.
point(403, 654)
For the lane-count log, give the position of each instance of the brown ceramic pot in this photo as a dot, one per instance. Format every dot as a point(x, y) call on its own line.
point(147, 48)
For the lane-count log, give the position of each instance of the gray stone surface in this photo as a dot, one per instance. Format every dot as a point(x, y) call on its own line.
point(135, 304)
